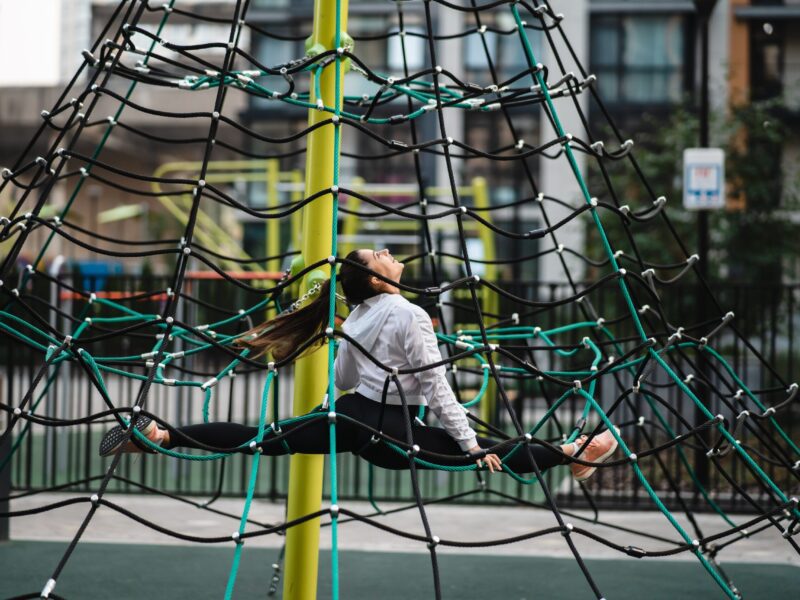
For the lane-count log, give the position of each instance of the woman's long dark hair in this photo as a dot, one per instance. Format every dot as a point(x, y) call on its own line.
point(288, 331)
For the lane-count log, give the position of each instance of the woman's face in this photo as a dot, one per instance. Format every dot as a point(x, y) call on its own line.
point(382, 261)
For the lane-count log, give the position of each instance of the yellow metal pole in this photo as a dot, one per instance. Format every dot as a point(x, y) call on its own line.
point(273, 233)
point(311, 372)
point(208, 230)
point(296, 177)
point(350, 221)
point(480, 195)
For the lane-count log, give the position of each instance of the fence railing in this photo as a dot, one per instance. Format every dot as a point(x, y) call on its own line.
point(47, 457)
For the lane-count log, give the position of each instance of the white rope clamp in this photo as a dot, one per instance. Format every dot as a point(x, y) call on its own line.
point(48, 588)
point(209, 384)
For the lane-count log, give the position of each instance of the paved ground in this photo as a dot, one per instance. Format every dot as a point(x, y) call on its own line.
point(116, 555)
point(451, 522)
point(98, 571)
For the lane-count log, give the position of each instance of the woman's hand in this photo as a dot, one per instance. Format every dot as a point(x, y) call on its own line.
point(492, 460)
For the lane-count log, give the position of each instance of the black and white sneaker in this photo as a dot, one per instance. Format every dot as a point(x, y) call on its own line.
point(115, 438)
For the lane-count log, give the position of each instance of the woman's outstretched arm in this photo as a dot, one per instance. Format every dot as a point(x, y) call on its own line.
point(419, 341)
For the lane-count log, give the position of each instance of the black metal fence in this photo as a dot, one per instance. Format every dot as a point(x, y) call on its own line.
point(46, 457)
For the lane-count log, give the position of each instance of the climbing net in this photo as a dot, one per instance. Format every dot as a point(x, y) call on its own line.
point(636, 352)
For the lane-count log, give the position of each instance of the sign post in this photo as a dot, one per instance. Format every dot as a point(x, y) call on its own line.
point(703, 191)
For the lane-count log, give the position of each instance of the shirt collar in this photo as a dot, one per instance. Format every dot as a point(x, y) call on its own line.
point(376, 299)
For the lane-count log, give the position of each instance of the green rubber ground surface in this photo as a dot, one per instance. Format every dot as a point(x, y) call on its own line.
point(124, 572)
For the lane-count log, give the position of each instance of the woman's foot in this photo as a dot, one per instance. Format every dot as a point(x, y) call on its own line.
point(115, 437)
point(598, 450)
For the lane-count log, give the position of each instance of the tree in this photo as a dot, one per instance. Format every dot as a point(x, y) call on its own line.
point(750, 245)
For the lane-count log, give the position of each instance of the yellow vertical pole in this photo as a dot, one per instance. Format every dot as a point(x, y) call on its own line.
point(311, 372)
point(296, 177)
point(273, 245)
point(350, 221)
point(480, 195)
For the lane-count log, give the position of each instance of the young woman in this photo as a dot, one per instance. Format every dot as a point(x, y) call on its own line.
point(396, 333)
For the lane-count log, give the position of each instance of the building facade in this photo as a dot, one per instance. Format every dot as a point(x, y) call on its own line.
point(643, 53)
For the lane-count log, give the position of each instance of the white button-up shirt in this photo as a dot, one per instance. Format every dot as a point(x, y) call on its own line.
point(399, 334)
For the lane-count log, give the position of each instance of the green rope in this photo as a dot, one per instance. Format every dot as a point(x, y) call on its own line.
point(251, 486)
point(337, 141)
point(632, 310)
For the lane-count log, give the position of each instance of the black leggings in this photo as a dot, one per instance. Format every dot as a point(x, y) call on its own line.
point(313, 437)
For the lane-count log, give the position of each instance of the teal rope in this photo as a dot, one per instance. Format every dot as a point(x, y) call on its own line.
point(251, 487)
point(337, 140)
point(629, 302)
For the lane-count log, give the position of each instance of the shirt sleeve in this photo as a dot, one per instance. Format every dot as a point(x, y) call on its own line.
point(344, 367)
point(419, 341)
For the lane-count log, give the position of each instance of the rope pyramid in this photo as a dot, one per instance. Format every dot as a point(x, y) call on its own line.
point(626, 350)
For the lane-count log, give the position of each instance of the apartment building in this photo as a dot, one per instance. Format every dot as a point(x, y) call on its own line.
point(644, 54)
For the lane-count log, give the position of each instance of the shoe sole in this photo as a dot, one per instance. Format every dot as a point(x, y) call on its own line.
point(600, 458)
point(117, 436)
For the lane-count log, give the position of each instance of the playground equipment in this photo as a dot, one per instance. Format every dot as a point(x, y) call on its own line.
point(633, 345)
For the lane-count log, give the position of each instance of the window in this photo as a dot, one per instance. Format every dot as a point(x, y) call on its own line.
point(416, 51)
point(640, 59)
point(272, 52)
point(513, 58)
point(766, 60)
point(506, 50)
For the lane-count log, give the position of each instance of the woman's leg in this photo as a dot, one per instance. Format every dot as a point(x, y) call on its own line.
point(437, 441)
point(311, 436)
point(218, 435)
point(520, 461)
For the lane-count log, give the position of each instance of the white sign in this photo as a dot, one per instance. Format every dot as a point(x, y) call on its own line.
point(703, 178)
